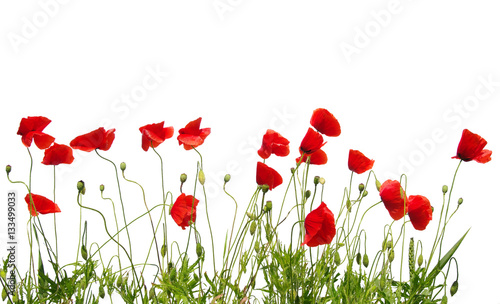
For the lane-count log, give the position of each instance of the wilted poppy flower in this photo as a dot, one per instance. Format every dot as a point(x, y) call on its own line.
point(324, 121)
point(268, 176)
point(320, 226)
point(97, 139)
point(471, 148)
point(42, 205)
point(58, 154)
point(358, 162)
point(192, 136)
point(155, 134)
point(317, 158)
point(273, 143)
point(394, 198)
point(184, 210)
point(312, 142)
point(419, 211)
point(31, 128)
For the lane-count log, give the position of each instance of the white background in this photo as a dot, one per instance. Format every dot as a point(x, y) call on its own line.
point(415, 78)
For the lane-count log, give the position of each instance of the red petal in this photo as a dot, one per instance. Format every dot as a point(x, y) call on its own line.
point(358, 162)
point(42, 140)
point(31, 124)
point(483, 157)
point(58, 154)
point(268, 176)
point(317, 158)
point(419, 211)
point(312, 142)
point(42, 205)
point(97, 139)
point(320, 226)
point(273, 143)
point(394, 198)
point(183, 208)
point(324, 121)
point(471, 146)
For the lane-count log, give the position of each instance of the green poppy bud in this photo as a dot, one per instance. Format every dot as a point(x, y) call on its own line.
point(2, 274)
point(201, 177)
point(361, 187)
point(389, 244)
point(199, 250)
point(348, 205)
point(227, 178)
point(420, 260)
point(8, 168)
point(152, 294)
point(125, 279)
point(123, 166)
point(391, 255)
point(269, 205)
point(4, 294)
point(119, 281)
point(444, 300)
point(322, 180)
point(358, 258)
point(378, 185)
point(365, 193)
point(83, 251)
point(81, 187)
point(163, 250)
point(256, 247)
point(316, 180)
point(308, 194)
point(102, 294)
point(251, 216)
point(454, 288)
point(184, 177)
point(445, 189)
point(101, 187)
point(460, 201)
point(336, 258)
point(253, 227)
point(366, 262)
point(265, 188)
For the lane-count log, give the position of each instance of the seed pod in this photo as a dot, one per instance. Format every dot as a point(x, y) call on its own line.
point(265, 188)
point(83, 251)
point(101, 187)
point(316, 180)
point(227, 178)
point(163, 250)
point(123, 166)
point(308, 194)
point(460, 201)
point(201, 177)
point(454, 288)
point(358, 258)
point(253, 227)
point(361, 187)
point(102, 294)
point(366, 262)
point(445, 189)
point(336, 258)
point(8, 168)
point(391, 255)
point(420, 260)
point(80, 186)
point(199, 250)
point(183, 177)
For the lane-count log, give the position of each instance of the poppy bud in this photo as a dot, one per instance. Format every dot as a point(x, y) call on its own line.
point(389, 244)
point(83, 251)
point(152, 294)
point(308, 194)
point(365, 193)
point(316, 180)
point(81, 187)
point(361, 187)
point(227, 178)
point(444, 300)
point(102, 294)
point(256, 247)
point(253, 227)
point(366, 262)
point(378, 185)
point(348, 205)
point(391, 255)
point(460, 201)
point(119, 281)
point(4, 294)
point(125, 279)
point(336, 258)
point(199, 250)
point(8, 168)
point(163, 250)
point(123, 166)
point(101, 187)
point(184, 177)
point(445, 189)
point(265, 188)
point(358, 258)
point(269, 205)
point(454, 288)
point(322, 180)
point(420, 260)
point(251, 216)
point(2, 274)
point(201, 177)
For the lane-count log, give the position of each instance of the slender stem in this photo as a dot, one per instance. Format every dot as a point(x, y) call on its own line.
point(55, 223)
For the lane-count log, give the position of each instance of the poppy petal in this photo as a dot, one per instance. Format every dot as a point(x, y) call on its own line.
point(268, 176)
point(58, 154)
point(358, 162)
point(394, 198)
point(184, 210)
point(311, 142)
point(471, 147)
point(42, 205)
point(419, 211)
point(320, 227)
point(324, 121)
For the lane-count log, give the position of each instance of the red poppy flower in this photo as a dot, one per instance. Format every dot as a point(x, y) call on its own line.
point(312, 142)
point(184, 210)
point(358, 162)
point(155, 134)
point(42, 205)
point(268, 176)
point(58, 154)
point(471, 148)
point(394, 198)
point(419, 211)
point(320, 226)
point(317, 158)
point(31, 128)
point(273, 143)
point(323, 121)
point(192, 136)
point(97, 139)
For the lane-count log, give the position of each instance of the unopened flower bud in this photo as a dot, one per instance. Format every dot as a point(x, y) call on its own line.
point(184, 177)
point(256, 247)
point(378, 185)
point(4, 294)
point(389, 244)
point(420, 260)
point(336, 258)
point(358, 258)
point(445, 189)
point(163, 250)
point(152, 294)
point(361, 187)
point(83, 251)
point(253, 227)
point(460, 201)
point(201, 177)
point(365, 193)
point(292, 170)
point(366, 262)
point(316, 180)
point(454, 288)
point(101, 187)
point(265, 188)
point(102, 294)
point(81, 187)
point(444, 299)
point(348, 205)
point(199, 250)
point(8, 168)
point(269, 205)
point(308, 194)
point(391, 255)
point(227, 178)
point(119, 281)
point(322, 180)
point(251, 216)
point(123, 166)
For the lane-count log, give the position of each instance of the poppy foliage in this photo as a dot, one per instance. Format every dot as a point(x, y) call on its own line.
point(42, 205)
point(31, 129)
point(97, 139)
point(192, 136)
point(155, 134)
point(471, 147)
point(58, 154)
point(184, 210)
point(320, 227)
